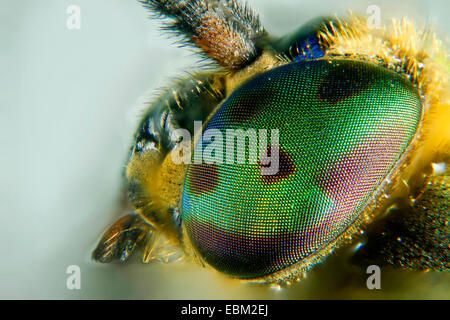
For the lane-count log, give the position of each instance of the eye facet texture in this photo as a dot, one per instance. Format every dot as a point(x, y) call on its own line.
point(343, 125)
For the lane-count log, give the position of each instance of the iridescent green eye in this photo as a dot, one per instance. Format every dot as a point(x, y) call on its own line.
point(343, 128)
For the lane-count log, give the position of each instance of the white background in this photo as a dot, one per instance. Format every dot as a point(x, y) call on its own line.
point(70, 101)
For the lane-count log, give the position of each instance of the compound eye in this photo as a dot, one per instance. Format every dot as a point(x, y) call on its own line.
point(343, 126)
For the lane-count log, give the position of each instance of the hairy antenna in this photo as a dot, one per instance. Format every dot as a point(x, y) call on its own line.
point(224, 30)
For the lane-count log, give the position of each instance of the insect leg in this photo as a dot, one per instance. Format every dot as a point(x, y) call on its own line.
point(121, 239)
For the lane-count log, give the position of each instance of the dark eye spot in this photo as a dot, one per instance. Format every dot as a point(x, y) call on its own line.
point(203, 178)
point(286, 167)
point(248, 105)
point(344, 81)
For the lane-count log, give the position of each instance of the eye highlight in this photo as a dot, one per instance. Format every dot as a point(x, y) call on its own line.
point(343, 129)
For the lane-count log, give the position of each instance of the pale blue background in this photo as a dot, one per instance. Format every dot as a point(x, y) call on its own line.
point(70, 101)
